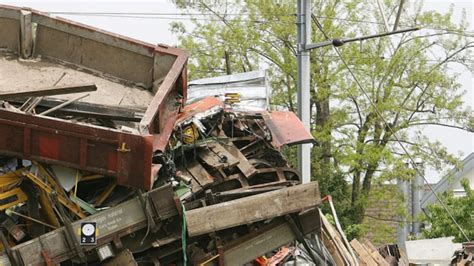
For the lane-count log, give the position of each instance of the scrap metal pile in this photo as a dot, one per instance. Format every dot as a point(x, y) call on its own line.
point(222, 175)
point(128, 173)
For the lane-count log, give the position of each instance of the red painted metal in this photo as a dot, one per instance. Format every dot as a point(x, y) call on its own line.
point(80, 146)
point(198, 107)
point(286, 128)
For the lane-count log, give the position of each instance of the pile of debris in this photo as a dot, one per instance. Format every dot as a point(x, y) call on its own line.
point(129, 173)
point(464, 256)
point(222, 177)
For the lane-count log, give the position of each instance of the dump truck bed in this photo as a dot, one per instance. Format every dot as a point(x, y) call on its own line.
point(36, 50)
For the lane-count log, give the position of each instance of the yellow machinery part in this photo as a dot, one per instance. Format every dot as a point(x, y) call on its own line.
point(47, 209)
point(190, 134)
point(10, 180)
point(105, 194)
point(11, 198)
point(90, 177)
point(50, 180)
point(62, 199)
point(231, 98)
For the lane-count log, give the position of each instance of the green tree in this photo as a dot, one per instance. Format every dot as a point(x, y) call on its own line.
point(404, 76)
point(441, 224)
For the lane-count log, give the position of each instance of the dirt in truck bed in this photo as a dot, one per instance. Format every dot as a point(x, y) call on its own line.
point(19, 74)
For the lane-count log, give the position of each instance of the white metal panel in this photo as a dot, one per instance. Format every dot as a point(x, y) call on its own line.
point(252, 86)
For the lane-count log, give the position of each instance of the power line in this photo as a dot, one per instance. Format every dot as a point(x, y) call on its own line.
point(164, 18)
point(189, 16)
point(394, 134)
point(139, 13)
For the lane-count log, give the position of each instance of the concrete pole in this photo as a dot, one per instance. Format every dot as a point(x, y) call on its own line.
point(402, 229)
point(303, 84)
point(416, 194)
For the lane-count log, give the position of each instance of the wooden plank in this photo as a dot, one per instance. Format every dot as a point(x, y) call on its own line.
point(244, 166)
point(374, 253)
point(201, 178)
point(364, 256)
point(332, 248)
point(76, 88)
point(251, 209)
point(217, 157)
point(340, 249)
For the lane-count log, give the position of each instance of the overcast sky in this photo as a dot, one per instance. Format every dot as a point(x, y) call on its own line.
point(156, 30)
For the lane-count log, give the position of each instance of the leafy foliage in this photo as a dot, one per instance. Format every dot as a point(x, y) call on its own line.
point(404, 76)
point(441, 225)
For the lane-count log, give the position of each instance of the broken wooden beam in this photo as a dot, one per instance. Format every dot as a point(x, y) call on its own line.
point(252, 209)
point(85, 109)
point(58, 90)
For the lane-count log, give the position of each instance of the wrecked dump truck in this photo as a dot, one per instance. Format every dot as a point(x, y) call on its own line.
point(103, 161)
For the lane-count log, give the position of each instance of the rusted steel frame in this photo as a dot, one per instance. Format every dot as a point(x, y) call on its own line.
point(47, 259)
point(167, 115)
point(158, 119)
point(151, 123)
point(239, 177)
point(55, 125)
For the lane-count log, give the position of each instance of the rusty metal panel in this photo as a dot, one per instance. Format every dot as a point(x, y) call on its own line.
point(105, 151)
point(286, 128)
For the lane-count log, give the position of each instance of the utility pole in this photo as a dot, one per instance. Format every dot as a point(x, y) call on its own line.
point(304, 46)
point(303, 84)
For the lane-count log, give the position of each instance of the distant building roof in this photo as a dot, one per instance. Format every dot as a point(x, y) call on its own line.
point(446, 183)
